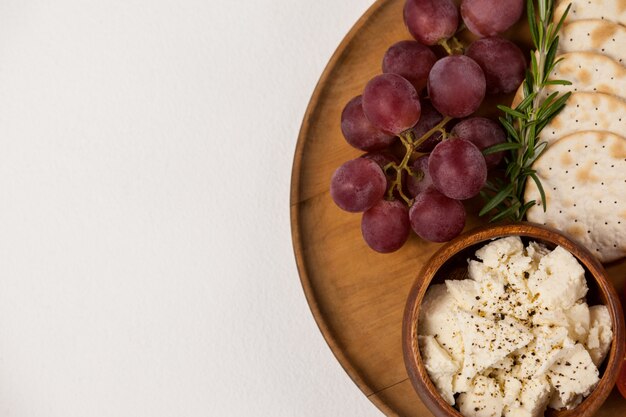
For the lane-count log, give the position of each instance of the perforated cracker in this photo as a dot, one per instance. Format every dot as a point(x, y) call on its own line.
point(588, 72)
point(587, 111)
point(610, 10)
point(594, 35)
point(584, 178)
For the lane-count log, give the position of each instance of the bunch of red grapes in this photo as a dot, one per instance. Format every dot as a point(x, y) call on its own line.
point(415, 99)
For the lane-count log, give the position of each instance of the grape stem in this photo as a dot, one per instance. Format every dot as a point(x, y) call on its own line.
point(409, 142)
point(453, 46)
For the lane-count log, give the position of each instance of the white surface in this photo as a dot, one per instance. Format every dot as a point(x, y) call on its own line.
point(146, 266)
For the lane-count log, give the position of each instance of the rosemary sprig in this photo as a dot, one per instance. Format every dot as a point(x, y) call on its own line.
point(524, 122)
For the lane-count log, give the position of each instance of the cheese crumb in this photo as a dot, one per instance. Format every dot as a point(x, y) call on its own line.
point(600, 333)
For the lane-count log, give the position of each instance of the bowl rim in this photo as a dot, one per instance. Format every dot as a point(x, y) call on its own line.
point(412, 357)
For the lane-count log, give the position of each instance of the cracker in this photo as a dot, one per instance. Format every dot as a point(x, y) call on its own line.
point(587, 111)
point(588, 72)
point(594, 35)
point(584, 179)
point(610, 10)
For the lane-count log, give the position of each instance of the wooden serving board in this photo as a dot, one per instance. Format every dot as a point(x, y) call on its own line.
point(356, 295)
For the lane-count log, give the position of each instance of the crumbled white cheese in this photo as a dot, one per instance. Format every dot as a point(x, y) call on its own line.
point(559, 281)
point(512, 391)
point(485, 399)
point(440, 366)
point(557, 404)
point(546, 348)
point(535, 251)
point(466, 293)
point(438, 319)
point(573, 375)
point(600, 333)
point(578, 319)
point(487, 342)
point(533, 399)
point(508, 339)
point(498, 252)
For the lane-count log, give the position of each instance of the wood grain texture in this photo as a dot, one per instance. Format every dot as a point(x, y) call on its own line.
point(357, 296)
point(451, 260)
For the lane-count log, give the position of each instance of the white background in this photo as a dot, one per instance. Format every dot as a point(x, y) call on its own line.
point(146, 265)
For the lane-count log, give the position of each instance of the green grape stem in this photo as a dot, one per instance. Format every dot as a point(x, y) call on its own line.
point(409, 142)
point(453, 46)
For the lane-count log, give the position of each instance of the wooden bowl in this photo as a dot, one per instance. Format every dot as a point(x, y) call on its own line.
point(451, 260)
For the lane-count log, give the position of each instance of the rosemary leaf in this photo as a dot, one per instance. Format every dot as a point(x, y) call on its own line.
point(562, 20)
point(555, 63)
point(538, 151)
point(547, 102)
point(524, 104)
point(509, 212)
point(500, 147)
point(556, 107)
point(534, 67)
point(530, 149)
point(550, 59)
point(509, 128)
point(527, 206)
point(497, 199)
point(558, 82)
point(512, 112)
point(532, 23)
point(541, 191)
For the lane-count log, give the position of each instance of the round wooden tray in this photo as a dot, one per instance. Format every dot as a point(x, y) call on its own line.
point(356, 295)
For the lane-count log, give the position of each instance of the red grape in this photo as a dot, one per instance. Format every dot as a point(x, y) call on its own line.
point(386, 226)
point(429, 119)
point(435, 217)
point(489, 17)
point(458, 169)
point(357, 185)
point(384, 158)
point(431, 21)
point(456, 86)
point(483, 133)
point(391, 103)
point(414, 185)
point(411, 60)
point(358, 130)
point(502, 62)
